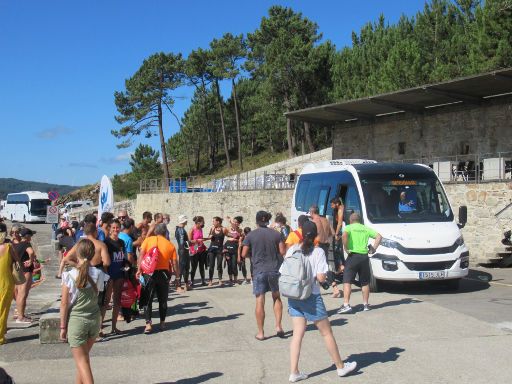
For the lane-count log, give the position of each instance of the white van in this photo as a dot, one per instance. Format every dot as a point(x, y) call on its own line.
point(74, 205)
point(405, 203)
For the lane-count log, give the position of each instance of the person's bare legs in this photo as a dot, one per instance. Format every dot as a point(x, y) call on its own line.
point(278, 310)
point(366, 293)
point(347, 290)
point(324, 326)
point(299, 329)
point(22, 291)
point(83, 363)
point(260, 315)
point(117, 287)
point(108, 293)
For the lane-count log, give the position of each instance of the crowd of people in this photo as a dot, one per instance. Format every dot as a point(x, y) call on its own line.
point(113, 263)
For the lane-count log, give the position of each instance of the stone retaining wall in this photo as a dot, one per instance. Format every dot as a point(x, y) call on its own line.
point(484, 230)
point(482, 233)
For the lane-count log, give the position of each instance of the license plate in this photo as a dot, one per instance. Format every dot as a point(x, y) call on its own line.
point(432, 275)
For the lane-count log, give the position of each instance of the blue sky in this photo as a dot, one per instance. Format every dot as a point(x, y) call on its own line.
point(61, 62)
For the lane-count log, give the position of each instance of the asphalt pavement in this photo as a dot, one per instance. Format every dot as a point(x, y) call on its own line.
point(414, 333)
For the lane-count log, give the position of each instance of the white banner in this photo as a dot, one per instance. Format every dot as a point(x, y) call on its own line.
point(106, 198)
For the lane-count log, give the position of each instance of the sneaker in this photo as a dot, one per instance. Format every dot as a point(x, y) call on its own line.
point(23, 320)
point(366, 307)
point(245, 282)
point(348, 367)
point(294, 377)
point(345, 309)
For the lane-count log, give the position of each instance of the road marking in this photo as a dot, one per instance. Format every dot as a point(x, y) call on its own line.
point(488, 282)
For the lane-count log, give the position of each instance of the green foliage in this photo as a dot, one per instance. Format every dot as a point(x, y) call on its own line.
point(285, 65)
point(144, 162)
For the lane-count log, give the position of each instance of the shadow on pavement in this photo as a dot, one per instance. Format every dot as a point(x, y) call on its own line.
point(474, 282)
point(195, 380)
point(368, 358)
point(18, 339)
point(201, 320)
point(181, 309)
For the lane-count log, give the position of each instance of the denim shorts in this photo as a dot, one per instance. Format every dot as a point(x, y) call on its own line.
point(264, 282)
point(312, 309)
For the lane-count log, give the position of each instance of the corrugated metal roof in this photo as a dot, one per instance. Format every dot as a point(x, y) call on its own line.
point(474, 90)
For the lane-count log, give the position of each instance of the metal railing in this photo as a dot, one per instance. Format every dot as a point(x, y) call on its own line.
point(247, 181)
point(471, 168)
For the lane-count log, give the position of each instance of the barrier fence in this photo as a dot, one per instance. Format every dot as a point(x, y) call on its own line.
point(469, 168)
point(247, 181)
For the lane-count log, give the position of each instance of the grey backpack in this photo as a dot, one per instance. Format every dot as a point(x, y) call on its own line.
point(296, 280)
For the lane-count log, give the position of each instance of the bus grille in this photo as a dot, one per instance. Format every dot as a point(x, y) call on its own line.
point(432, 266)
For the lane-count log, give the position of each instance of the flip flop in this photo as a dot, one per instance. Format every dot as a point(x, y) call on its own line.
point(259, 338)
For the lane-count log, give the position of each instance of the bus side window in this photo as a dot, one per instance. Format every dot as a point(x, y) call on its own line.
point(352, 203)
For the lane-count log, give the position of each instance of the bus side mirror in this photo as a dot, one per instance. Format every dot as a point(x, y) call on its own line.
point(463, 216)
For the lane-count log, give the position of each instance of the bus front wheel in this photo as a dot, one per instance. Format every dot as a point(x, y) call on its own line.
point(374, 283)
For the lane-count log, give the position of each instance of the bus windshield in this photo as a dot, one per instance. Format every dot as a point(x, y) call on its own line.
point(38, 207)
point(391, 199)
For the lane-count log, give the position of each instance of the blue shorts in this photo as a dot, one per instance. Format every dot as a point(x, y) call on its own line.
point(264, 282)
point(312, 309)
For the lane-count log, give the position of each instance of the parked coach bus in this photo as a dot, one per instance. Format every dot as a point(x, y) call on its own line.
point(405, 203)
point(27, 206)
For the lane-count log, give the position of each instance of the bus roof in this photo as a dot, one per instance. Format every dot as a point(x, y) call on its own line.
point(32, 194)
point(362, 166)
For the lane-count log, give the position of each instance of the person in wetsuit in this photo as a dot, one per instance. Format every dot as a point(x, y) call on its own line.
point(231, 248)
point(183, 250)
point(216, 237)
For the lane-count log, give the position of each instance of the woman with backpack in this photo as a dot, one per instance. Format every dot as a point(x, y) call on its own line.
point(80, 315)
point(312, 308)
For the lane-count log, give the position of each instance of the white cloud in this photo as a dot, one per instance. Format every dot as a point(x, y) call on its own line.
point(52, 133)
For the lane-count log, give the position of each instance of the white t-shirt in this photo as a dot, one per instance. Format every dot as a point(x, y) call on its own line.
point(317, 262)
point(69, 280)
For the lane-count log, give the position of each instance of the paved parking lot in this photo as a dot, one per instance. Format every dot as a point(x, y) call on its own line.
point(414, 333)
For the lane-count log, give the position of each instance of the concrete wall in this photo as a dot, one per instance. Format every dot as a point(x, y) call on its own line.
point(440, 132)
point(208, 205)
point(482, 233)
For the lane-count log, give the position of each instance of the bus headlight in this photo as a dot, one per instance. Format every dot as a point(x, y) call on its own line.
point(389, 243)
point(460, 241)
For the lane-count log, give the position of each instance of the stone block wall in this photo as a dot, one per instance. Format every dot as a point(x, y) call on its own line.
point(441, 132)
point(482, 233)
point(208, 205)
point(484, 230)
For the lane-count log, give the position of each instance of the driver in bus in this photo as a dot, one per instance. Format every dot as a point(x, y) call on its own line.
point(405, 205)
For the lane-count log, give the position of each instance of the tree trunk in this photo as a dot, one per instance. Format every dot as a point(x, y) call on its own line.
point(289, 137)
point(238, 134)
point(307, 135)
point(221, 111)
point(211, 154)
point(288, 126)
point(165, 166)
point(271, 142)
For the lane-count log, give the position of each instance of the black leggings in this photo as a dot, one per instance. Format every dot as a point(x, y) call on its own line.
point(243, 268)
point(231, 251)
point(184, 264)
point(158, 285)
point(199, 259)
point(215, 254)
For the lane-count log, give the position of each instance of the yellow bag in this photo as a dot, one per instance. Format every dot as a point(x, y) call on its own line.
point(17, 273)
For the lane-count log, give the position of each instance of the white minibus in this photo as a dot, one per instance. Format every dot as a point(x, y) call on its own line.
point(29, 206)
point(405, 203)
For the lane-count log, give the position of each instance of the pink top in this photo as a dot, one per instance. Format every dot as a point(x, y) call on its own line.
point(199, 246)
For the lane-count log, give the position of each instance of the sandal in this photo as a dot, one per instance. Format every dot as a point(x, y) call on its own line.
point(149, 329)
point(117, 332)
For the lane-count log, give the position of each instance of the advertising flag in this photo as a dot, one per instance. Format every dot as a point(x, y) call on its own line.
point(106, 198)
